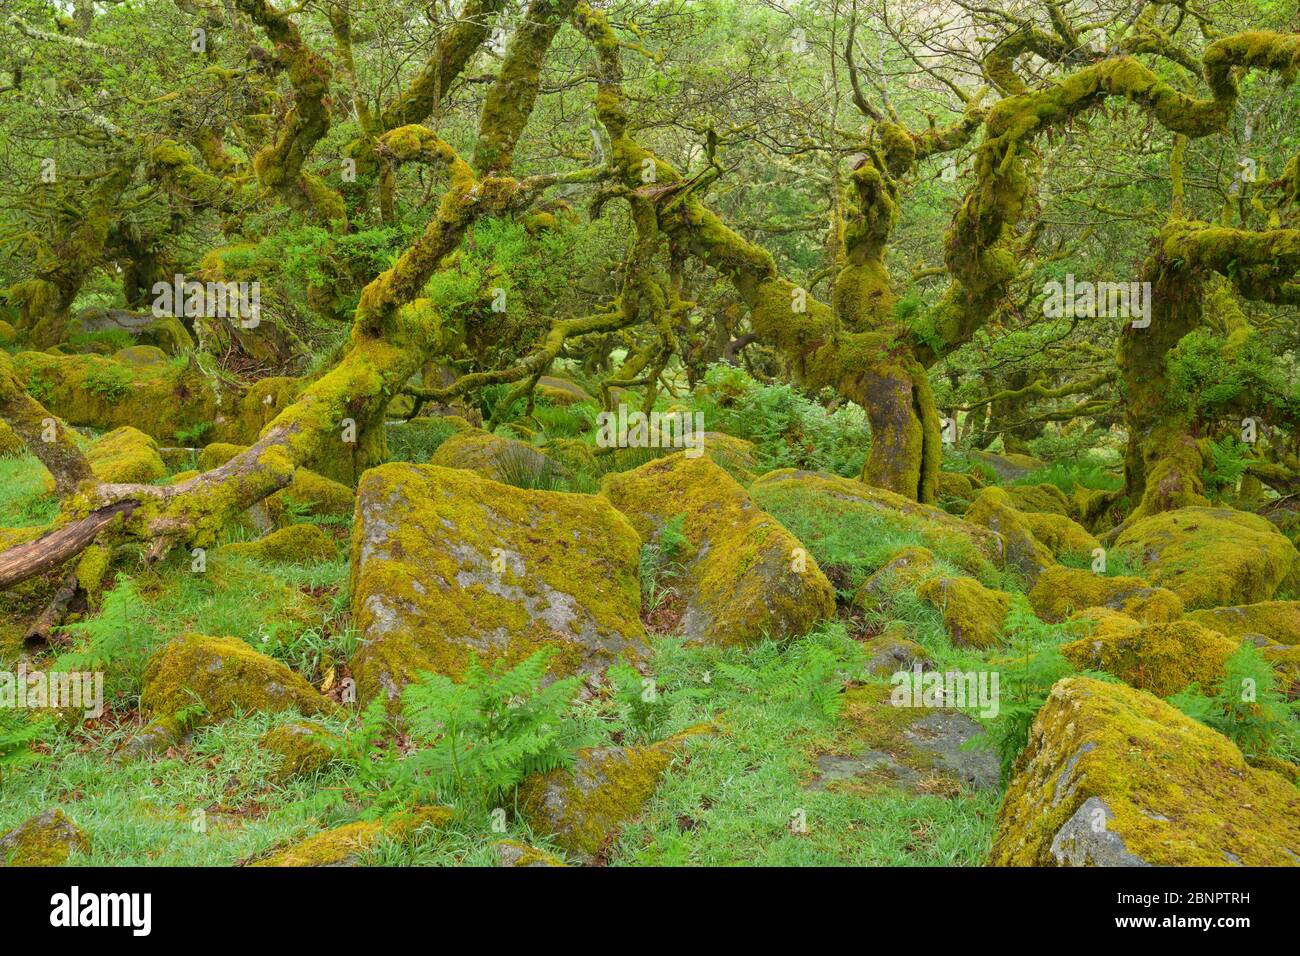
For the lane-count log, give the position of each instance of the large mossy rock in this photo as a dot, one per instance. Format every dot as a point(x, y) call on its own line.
point(738, 457)
point(301, 748)
point(1060, 592)
point(495, 457)
point(1039, 499)
point(1113, 776)
point(446, 564)
point(1060, 534)
point(972, 614)
point(220, 675)
point(745, 576)
point(1160, 658)
point(295, 543)
point(347, 845)
point(561, 391)
point(97, 392)
point(905, 569)
point(1010, 466)
point(1275, 620)
point(47, 839)
point(1211, 557)
point(1021, 549)
point(584, 808)
point(126, 455)
point(844, 501)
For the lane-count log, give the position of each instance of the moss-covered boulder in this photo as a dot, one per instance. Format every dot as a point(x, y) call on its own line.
point(584, 808)
point(1113, 776)
point(736, 456)
point(1060, 534)
point(1061, 591)
point(561, 391)
point(47, 839)
point(514, 853)
point(295, 543)
point(310, 495)
point(893, 651)
point(217, 453)
point(446, 564)
point(493, 456)
point(1160, 658)
point(1276, 620)
point(1039, 499)
point(972, 548)
point(348, 845)
point(1102, 622)
point(1021, 549)
point(301, 748)
point(1210, 557)
point(10, 443)
point(904, 570)
point(97, 392)
point(126, 455)
point(954, 484)
point(972, 614)
point(199, 679)
point(1010, 466)
point(745, 576)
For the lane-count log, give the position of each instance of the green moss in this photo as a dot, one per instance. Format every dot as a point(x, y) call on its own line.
point(1276, 620)
point(445, 564)
point(972, 613)
point(904, 570)
point(310, 494)
point(1168, 790)
point(126, 455)
point(1060, 592)
point(1059, 534)
point(294, 544)
point(347, 845)
point(1160, 658)
point(45, 840)
point(873, 514)
point(744, 575)
point(584, 808)
point(1210, 557)
point(302, 749)
point(210, 678)
point(993, 509)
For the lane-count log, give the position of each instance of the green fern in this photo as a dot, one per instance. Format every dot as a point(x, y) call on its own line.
point(476, 740)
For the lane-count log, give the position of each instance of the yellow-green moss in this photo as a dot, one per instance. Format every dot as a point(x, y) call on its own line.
point(491, 456)
point(745, 576)
point(1277, 620)
point(1045, 499)
point(126, 455)
point(972, 613)
point(10, 444)
point(310, 494)
point(1169, 791)
point(1210, 557)
point(972, 548)
point(561, 391)
point(904, 569)
point(160, 399)
point(1160, 658)
point(1021, 549)
point(1061, 535)
point(221, 674)
point(583, 809)
point(303, 748)
point(45, 840)
point(514, 853)
point(346, 845)
point(445, 564)
point(295, 543)
point(1061, 591)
